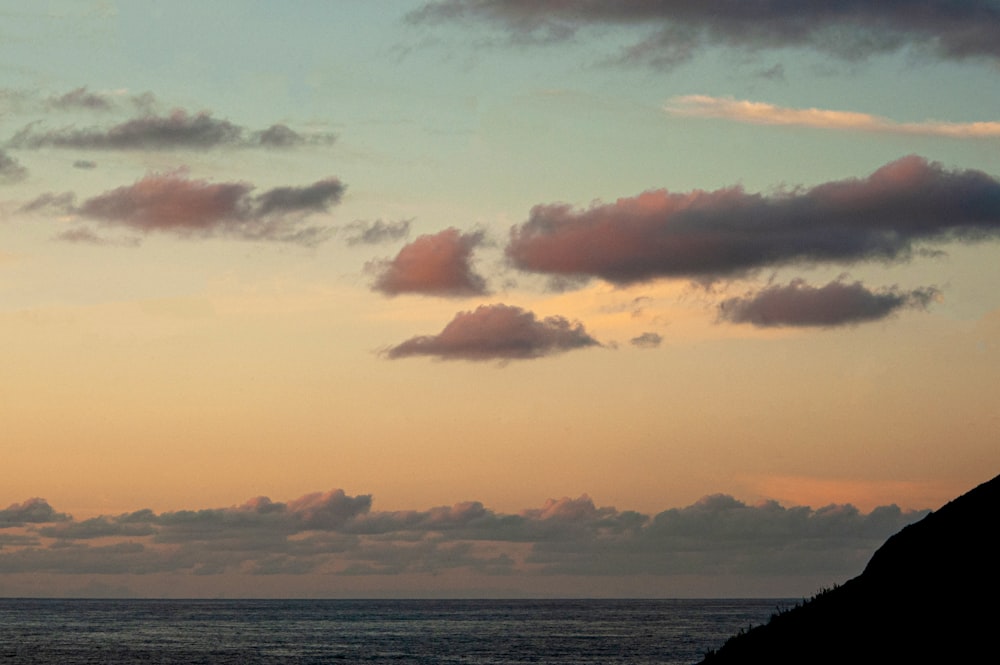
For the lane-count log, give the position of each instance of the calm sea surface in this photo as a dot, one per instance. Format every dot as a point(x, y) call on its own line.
point(474, 632)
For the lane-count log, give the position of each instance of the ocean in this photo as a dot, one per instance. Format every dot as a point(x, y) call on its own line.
point(425, 632)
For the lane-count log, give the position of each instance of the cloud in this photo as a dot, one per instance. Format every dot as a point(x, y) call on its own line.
point(497, 332)
point(97, 527)
point(62, 204)
point(333, 533)
point(647, 340)
point(81, 235)
point(672, 31)
point(438, 264)
point(11, 170)
point(172, 203)
point(361, 232)
point(81, 98)
point(761, 113)
point(32, 511)
point(85, 236)
point(329, 510)
point(317, 197)
point(835, 304)
point(85, 164)
point(177, 130)
point(728, 232)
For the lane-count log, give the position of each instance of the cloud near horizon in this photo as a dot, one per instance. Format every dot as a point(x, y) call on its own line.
point(497, 332)
point(333, 533)
point(172, 203)
point(671, 32)
point(436, 264)
point(761, 113)
point(729, 233)
point(834, 304)
point(177, 130)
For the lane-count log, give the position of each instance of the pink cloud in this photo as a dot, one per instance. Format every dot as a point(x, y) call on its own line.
point(497, 332)
point(761, 113)
point(172, 203)
point(438, 264)
point(728, 232)
point(169, 203)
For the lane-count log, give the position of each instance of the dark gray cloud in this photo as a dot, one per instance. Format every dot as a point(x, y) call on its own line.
point(361, 232)
point(172, 203)
point(497, 332)
point(334, 533)
point(177, 130)
point(11, 170)
point(670, 32)
point(835, 304)
point(85, 164)
point(32, 511)
point(437, 264)
point(317, 197)
point(647, 340)
point(728, 232)
point(98, 527)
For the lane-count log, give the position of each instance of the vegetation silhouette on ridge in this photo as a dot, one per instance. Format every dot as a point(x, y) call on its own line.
point(928, 595)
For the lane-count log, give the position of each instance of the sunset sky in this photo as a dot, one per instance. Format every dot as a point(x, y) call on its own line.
point(490, 297)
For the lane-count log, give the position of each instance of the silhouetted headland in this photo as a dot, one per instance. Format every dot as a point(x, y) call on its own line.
point(928, 595)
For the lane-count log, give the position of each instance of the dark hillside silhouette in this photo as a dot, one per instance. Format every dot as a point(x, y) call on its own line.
point(928, 595)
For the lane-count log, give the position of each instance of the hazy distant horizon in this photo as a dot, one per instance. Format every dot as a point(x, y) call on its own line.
point(335, 545)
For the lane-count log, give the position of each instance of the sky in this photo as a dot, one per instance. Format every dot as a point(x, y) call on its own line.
point(490, 298)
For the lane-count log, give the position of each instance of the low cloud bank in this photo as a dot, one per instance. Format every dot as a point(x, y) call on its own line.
point(337, 534)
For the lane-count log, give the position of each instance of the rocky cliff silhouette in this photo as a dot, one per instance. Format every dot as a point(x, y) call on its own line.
point(929, 595)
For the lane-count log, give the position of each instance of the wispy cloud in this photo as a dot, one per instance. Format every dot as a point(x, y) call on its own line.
point(82, 98)
point(438, 264)
point(498, 332)
point(362, 232)
point(834, 304)
point(761, 113)
point(672, 31)
point(172, 203)
point(177, 130)
point(11, 170)
point(729, 232)
point(647, 340)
